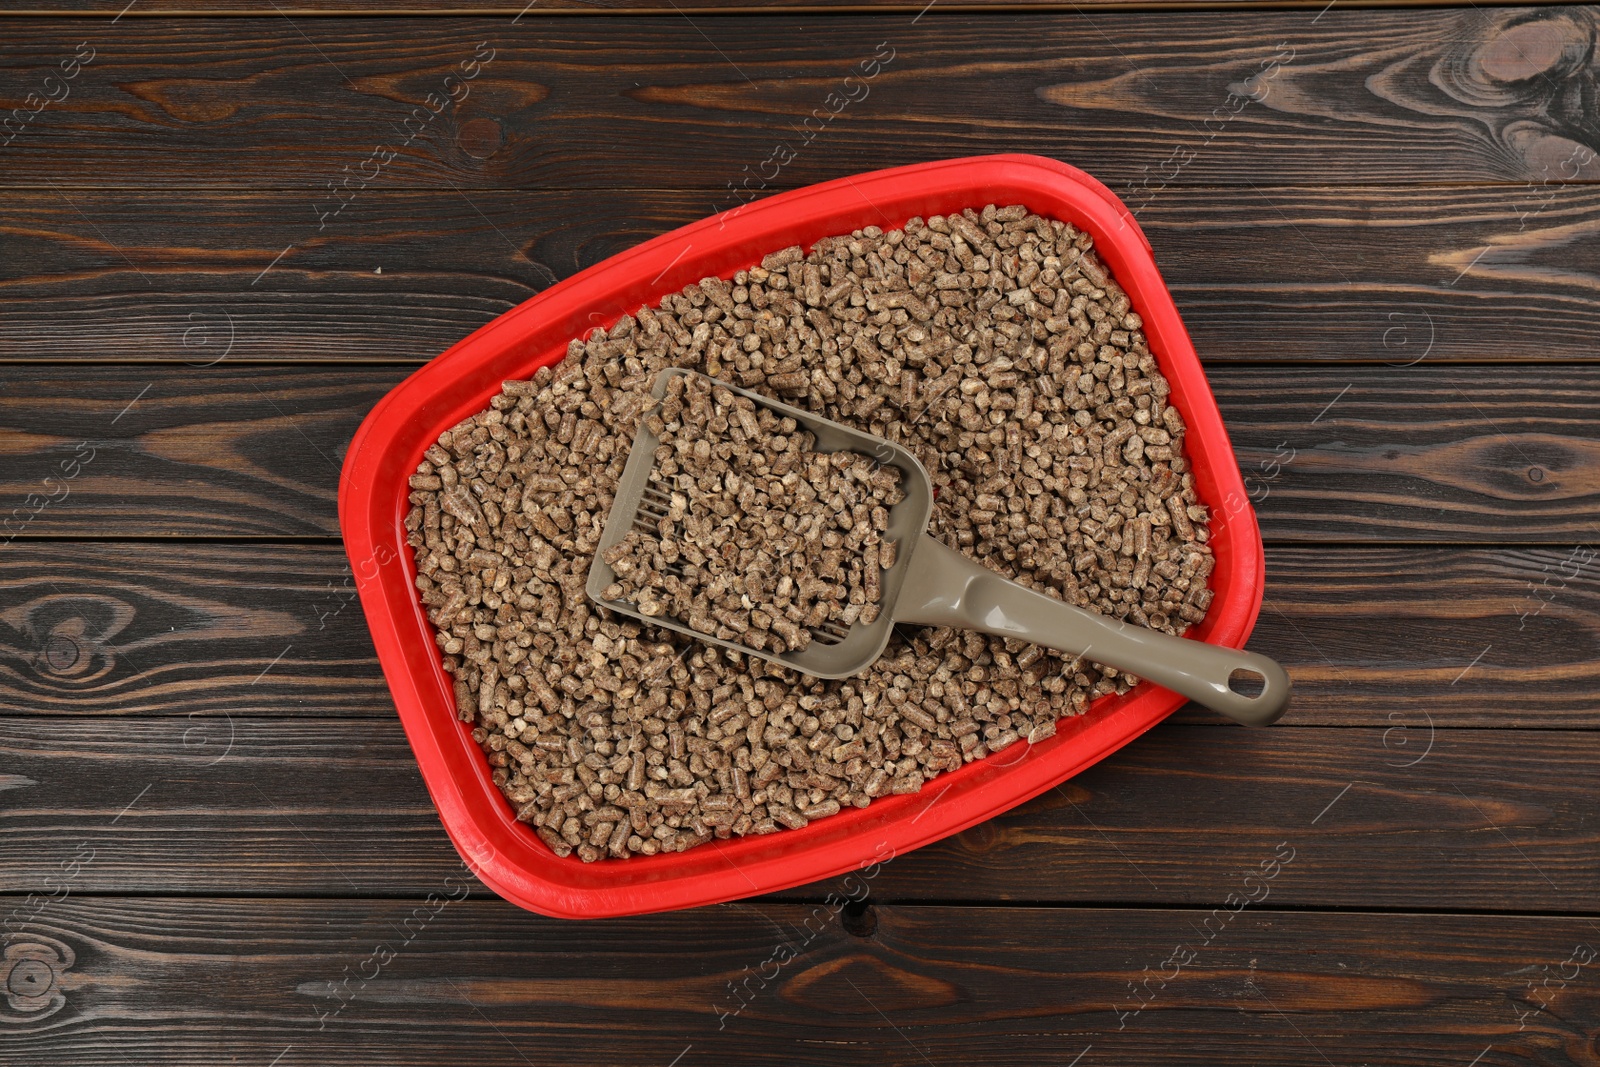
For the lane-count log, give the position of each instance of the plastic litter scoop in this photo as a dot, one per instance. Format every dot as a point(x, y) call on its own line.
point(931, 584)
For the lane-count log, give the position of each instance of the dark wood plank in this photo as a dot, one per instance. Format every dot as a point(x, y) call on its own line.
point(442, 981)
point(1460, 637)
point(1407, 817)
point(1489, 819)
point(1358, 452)
point(1442, 273)
point(520, 12)
point(1349, 97)
point(274, 806)
point(184, 630)
point(1499, 454)
point(177, 451)
point(1395, 275)
point(250, 629)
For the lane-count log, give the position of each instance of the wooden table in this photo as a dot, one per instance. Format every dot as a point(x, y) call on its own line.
point(1381, 227)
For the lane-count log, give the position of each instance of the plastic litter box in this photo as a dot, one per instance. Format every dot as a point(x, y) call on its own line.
point(506, 854)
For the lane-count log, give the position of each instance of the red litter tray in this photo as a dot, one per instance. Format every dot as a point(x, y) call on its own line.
point(506, 854)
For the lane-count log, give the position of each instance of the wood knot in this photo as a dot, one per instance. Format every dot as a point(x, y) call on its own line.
point(480, 138)
point(1551, 156)
point(859, 918)
point(30, 978)
point(1553, 47)
point(69, 637)
point(64, 652)
point(982, 838)
point(61, 653)
point(1515, 59)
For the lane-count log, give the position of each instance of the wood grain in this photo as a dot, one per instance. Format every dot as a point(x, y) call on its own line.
point(624, 8)
point(1478, 637)
point(1406, 816)
point(425, 982)
point(1469, 637)
point(186, 631)
point(1351, 97)
point(1375, 273)
point(178, 451)
point(1383, 243)
point(1420, 453)
point(1361, 452)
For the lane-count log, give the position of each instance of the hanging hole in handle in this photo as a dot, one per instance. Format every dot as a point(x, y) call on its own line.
point(1247, 683)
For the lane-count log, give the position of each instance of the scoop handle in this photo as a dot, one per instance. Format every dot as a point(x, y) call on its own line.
point(944, 588)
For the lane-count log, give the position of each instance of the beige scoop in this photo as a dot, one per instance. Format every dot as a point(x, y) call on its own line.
point(932, 585)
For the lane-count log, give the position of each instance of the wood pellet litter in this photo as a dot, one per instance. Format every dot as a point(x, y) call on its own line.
point(765, 538)
point(996, 347)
